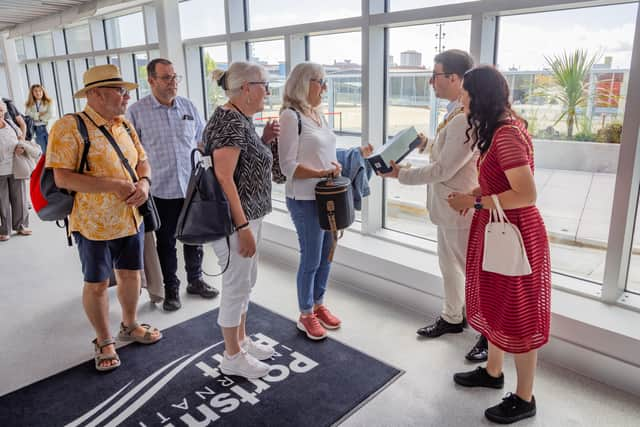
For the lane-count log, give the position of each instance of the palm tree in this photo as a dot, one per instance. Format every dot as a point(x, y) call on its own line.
point(571, 71)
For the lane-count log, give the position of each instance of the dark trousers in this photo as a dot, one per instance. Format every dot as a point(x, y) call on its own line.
point(169, 210)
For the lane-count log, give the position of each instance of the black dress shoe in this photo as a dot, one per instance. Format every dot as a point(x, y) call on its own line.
point(440, 327)
point(478, 378)
point(479, 352)
point(202, 288)
point(171, 299)
point(512, 409)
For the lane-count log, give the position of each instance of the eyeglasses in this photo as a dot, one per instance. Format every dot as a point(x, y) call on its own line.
point(122, 91)
point(174, 78)
point(434, 75)
point(321, 82)
point(265, 84)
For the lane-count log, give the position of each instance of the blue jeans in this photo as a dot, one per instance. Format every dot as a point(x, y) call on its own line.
point(42, 137)
point(315, 244)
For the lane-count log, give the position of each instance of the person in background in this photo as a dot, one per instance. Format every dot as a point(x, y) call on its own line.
point(15, 116)
point(307, 151)
point(513, 312)
point(451, 168)
point(169, 127)
point(39, 107)
point(243, 162)
point(14, 210)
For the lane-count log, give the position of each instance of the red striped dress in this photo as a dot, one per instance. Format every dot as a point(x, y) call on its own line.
point(512, 312)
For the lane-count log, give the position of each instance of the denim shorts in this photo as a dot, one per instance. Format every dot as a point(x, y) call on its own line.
point(100, 257)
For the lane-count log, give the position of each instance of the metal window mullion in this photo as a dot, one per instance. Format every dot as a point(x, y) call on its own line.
point(627, 188)
point(373, 106)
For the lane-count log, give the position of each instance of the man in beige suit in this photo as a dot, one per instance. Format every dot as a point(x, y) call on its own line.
point(452, 169)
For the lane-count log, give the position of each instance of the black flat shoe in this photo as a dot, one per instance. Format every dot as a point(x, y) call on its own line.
point(479, 352)
point(478, 378)
point(171, 300)
point(440, 327)
point(512, 409)
point(202, 288)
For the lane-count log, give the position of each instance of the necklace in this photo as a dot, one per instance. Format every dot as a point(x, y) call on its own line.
point(240, 111)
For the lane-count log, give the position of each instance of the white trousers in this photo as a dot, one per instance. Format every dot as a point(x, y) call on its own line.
point(239, 278)
point(452, 255)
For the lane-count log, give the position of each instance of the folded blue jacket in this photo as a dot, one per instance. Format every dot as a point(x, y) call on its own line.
point(353, 166)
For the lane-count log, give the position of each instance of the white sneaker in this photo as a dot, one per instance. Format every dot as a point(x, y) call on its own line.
point(243, 365)
point(257, 350)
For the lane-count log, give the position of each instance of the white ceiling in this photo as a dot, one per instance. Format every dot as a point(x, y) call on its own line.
point(14, 12)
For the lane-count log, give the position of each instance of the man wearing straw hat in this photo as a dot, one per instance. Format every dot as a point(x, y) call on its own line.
point(105, 221)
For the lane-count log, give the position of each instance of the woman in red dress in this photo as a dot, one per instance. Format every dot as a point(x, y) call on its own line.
point(513, 312)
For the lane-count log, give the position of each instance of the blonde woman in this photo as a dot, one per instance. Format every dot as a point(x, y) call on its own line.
point(307, 151)
point(242, 162)
point(39, 107)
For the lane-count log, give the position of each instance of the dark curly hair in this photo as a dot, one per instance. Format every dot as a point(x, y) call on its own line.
point(489, 100)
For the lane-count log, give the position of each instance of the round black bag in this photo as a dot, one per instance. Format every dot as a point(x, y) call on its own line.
point(334, 199)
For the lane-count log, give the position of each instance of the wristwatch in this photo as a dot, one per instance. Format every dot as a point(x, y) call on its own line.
point(478, 204)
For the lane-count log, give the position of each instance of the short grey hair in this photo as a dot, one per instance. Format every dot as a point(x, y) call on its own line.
point(239, 72)
point(296, 89)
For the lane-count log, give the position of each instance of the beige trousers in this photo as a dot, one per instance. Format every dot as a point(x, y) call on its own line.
point(452, 255)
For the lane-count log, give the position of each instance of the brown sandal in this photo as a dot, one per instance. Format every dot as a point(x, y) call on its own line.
point(99, 357)
point(126, 334)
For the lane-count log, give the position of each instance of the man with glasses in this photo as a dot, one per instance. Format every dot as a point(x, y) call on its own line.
point(170, 126)
point(452, 168)
point(105, 222)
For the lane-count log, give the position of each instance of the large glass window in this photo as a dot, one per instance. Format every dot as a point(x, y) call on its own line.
point(277, 13)
point(412, 102)
point(141, 60)
point(417, 4)
point(49, 82)
point(568, 72)
point(200, 18)
point(343, 99)
point(33, 73)
point(22, 55)
point(271, 55)
point(125, 31)
point(213, 57)
point(44, 45)
point(78, 39)
point(78, 67)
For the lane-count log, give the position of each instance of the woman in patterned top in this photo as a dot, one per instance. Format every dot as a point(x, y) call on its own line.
point(242, 162)
point(513, 312)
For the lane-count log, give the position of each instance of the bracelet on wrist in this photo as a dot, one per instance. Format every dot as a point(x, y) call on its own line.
point(146, 178)
point(241, 226)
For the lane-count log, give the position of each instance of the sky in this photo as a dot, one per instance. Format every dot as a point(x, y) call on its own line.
point(522, 42)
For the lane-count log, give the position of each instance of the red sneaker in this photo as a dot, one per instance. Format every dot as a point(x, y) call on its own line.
point(327, 319)
point(310, 325)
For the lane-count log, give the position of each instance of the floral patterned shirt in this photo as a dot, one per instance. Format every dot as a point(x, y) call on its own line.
point(97, 216)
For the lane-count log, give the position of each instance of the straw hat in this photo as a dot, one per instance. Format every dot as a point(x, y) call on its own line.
point(103, 75)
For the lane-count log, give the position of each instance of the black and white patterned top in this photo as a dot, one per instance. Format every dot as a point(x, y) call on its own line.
point(229, 128)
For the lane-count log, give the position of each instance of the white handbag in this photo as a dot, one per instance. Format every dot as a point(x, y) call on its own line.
point(504, 251)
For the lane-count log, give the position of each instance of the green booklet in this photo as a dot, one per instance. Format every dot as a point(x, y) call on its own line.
point(397, 149)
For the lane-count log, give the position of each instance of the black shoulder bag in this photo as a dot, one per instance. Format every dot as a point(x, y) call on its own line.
point(148, 209)
point(206, 215)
